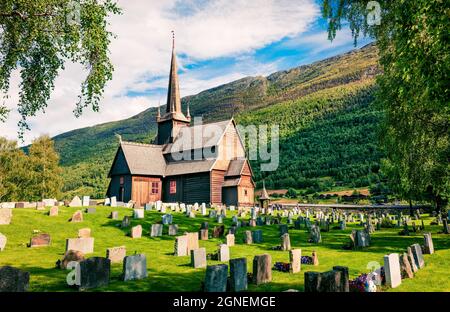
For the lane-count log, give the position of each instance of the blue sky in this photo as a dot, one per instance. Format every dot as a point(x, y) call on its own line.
point(217, 41)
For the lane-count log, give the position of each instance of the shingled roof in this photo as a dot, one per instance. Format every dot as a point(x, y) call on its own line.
point(144, 159)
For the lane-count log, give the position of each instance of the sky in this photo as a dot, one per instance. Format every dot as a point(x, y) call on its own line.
point(217, 41)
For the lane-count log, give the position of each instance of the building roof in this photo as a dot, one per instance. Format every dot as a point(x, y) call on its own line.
point(231, 182)
point(235, 167)
point(144, 159)
point(264, 195)
point(208, 135)
point(186, 167)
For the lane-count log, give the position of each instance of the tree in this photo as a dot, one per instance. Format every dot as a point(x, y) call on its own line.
point(37, 38)
point(413, 89)
point(45, 171)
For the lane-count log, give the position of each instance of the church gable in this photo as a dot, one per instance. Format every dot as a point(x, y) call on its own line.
point(119, 165)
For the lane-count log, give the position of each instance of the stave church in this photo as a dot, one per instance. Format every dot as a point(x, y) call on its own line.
point(189, 163)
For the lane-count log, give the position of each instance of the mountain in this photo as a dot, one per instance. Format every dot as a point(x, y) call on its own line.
point(325, 112)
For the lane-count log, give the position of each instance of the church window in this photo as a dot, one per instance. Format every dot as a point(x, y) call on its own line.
point(173, 187)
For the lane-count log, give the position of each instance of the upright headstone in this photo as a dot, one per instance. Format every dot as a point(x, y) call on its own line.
point(3, 241)
point(113, 201)
point(156, 230)
point(167, 219)
point(218, 231)
point(345, 281)
point(295, 259)
point(76, 202)
point(138, 213)
point(116, 254)
point(203, 234)
point(230, 240)
point(181, 245)
point(86, 201)
point(83, 233)
point(136, 231)
point(148, 206)
point(107, 201)
point(70, 256)
point(315, 236)
point(262, 269)
point(94, 272)
point(428, 244)
point(192, 242)
point(134, 267)
point(85, 245)
point(5, 216)
point(13, 280)
point(257, 236)
point(392, 270)
point(53, 211)
point(114, 215)
point(173, 229)
point(125, 222)
point(248, 237)
point(285, 242)
point(283, 228)
point(405, 266)
point(91, 210)
point(330, 281)
point(216, 278)
point(77, 216)
point(411, 260)
point(40, 240)
point(224, 253)
point(418, 257)
point(198, 258)
point(238, 274)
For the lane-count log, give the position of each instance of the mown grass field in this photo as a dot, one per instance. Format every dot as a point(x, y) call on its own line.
point(169, 273)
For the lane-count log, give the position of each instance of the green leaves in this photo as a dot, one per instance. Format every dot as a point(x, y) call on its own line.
point(38, 37)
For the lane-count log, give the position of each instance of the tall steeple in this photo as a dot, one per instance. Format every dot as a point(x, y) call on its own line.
point(173, 95)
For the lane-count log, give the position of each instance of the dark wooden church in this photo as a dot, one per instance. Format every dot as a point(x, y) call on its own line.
point(219, 172)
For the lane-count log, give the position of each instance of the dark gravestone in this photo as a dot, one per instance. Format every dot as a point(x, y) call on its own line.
point(262, 269)
point(134, 267)
point(13, 280)
point(216, 278)
point(257, 236)
point(283, 228)
point(405, 266)
point(330, 281)
point(345, 287)
point(418, 257)
point(94, 272)
point(238, 274)
point(218, 231)
point(125, 222)
point(204, 226)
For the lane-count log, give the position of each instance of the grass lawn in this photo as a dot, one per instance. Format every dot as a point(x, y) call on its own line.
point(169, 273)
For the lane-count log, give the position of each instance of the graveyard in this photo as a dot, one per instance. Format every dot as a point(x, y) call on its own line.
point(167, 272)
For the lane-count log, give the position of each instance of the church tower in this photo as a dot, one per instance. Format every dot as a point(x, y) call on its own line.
point(173, 119)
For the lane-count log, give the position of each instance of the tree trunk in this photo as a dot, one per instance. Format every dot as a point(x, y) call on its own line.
point(411, 210)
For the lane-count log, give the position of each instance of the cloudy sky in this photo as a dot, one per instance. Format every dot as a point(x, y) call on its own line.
point(217, 41)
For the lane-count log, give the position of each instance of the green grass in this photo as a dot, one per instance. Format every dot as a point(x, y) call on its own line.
point(169, 273)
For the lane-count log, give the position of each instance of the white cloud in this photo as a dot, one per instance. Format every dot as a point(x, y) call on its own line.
point(205, 30)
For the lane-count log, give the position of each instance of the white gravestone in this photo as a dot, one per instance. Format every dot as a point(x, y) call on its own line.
point(392, 270)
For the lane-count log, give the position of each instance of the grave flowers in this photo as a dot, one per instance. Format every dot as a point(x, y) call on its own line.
point(282, 266)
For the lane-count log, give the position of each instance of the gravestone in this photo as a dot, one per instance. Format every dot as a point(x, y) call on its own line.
point(53, 211)
point(173, 229)
point(156, 230)
point(428, 244)
point(216, 278)
point(392, 270)
point(134, 267)
point(85, 245)
point(198, 258)
point(283, 228)
point(315, 258)
point(148, 206)
point(40, 240)
point(342, 225)
point(218, 231)
point(330, 281)
point(114, 215)
point(252, 223)
point(5, 216)
point(212, 214)
point(405, 266)
point(191, 214)
point(204, 225)
point(92, 203)
point(76, 202)
point(230, 240)
point(138, 213)
point(116, 254)
point(181, 244)
point(13, 280)
point(362, 239)
point(91, 210)
point(94, 273)
point(418, 257)
point(345, 281)
point(224, 253)
point(167, 219)
point(315, 236)
point(257, 236)
point(69, 256)
point(83, 233)
point(204, 234)
point(126, 222)
point(136, 231)
point(85, 201)
point(158, 205)
point(248, 237)
point(3, 241)
point(285, 242)
point(77, 216)
point(238, 274)
point(262, 269)
point(107, 201)
point(295, 259)
point(411, 260)
point(113, 201)
point(219, 219)
point(192, 241)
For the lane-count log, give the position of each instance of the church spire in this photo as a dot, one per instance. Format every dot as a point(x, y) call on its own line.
point(173, 96)
point(188, 112)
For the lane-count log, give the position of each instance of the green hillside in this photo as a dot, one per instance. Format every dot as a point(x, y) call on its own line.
point(325, 112)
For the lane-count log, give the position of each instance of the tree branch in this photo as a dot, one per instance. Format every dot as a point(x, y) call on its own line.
point(24, 16)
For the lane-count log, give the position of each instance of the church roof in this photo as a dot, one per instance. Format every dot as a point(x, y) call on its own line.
point(235, 167)
point(144, 159)
point(186, 167)
point(186, 138)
